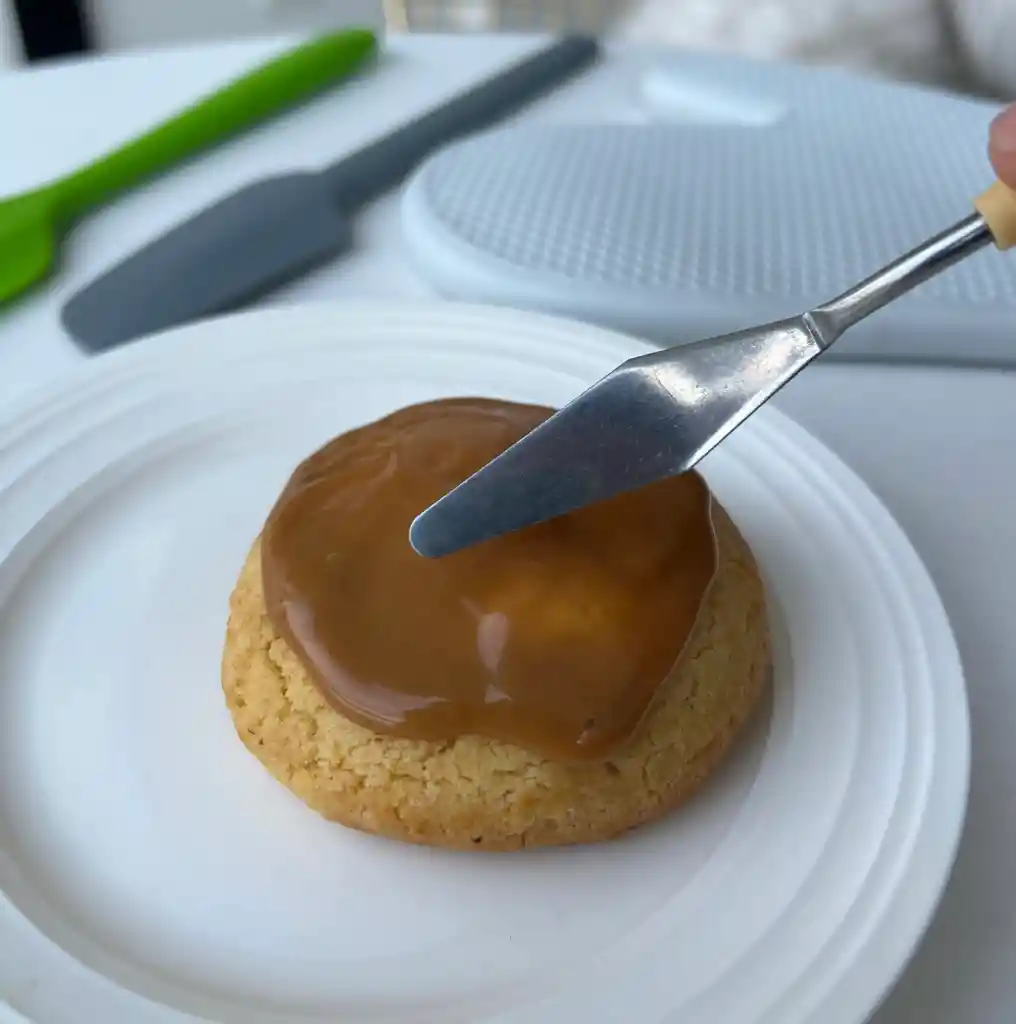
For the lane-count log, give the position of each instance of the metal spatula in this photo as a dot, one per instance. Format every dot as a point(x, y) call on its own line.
point(658, 415)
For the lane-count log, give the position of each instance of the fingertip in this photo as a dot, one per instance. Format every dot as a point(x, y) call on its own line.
point(1002, 145)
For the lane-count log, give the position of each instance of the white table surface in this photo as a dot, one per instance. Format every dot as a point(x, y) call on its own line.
point(936, 445)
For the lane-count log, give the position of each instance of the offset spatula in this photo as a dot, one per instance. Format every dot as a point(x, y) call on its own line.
point(276, 229)
point(657, 415)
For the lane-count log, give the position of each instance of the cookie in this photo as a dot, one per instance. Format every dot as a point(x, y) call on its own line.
point(480, 794)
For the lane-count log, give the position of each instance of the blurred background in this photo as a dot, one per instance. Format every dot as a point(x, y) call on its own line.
point(966, 45)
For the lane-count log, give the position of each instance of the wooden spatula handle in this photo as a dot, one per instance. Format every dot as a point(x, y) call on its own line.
point(997, 205)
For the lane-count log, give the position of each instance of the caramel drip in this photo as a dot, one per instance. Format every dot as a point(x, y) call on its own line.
point(555, 638)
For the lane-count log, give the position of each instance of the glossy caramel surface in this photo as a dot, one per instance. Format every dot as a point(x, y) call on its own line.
point(555, 638)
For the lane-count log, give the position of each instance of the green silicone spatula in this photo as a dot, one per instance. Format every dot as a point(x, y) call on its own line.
point(33, 223)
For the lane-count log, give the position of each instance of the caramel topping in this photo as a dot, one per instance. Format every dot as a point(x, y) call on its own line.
point(555, 638)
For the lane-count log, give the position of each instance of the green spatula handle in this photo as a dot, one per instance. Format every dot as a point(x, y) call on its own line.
point(273, 87)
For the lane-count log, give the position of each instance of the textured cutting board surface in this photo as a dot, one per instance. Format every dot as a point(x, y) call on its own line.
point(747, 192)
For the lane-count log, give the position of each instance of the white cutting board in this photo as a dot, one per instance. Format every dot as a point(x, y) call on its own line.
point(742, 192)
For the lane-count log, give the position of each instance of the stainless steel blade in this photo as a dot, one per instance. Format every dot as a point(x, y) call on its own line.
point(652, 417)
point(659, 414)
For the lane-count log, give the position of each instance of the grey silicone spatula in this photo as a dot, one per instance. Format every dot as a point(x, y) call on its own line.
point(657, 415)
point(276, 229)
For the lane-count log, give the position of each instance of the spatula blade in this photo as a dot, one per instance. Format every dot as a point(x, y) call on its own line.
point(224, 257)
point(28, 245)
point(652, 417)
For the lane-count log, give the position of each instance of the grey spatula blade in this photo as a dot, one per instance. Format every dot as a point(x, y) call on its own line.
point(274, 230)
point(229, 254)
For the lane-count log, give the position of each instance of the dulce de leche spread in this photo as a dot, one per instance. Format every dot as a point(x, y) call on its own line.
point(555, 638)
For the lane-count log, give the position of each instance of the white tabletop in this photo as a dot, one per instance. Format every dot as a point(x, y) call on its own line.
point(931, 443)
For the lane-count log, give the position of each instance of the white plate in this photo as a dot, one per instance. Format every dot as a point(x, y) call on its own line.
point(151, 867)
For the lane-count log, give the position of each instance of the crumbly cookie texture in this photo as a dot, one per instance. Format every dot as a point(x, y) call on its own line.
point(477, 793)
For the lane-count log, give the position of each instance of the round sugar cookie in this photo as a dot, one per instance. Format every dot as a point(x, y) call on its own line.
point(477, 793)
